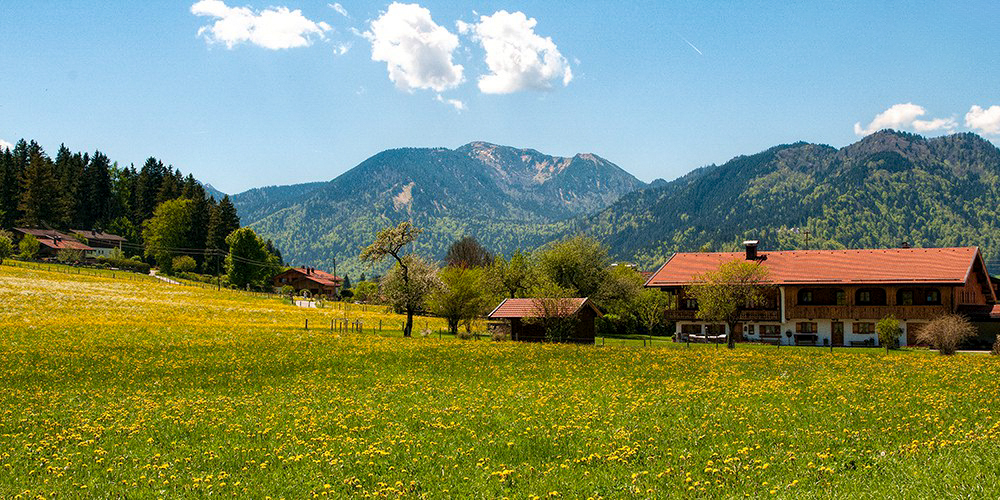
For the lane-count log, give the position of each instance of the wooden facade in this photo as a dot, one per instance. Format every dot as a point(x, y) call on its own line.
point(529, 319)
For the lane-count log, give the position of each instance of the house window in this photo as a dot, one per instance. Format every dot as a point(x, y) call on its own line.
point(691, 329)
point(716, 329)
point(838, 328)
point(870, 297)
point(864, 328)
point(932, 296)
point(806, 327)
point(690, 304)
point(904, 297)
point(770, 330)
point(822, 296)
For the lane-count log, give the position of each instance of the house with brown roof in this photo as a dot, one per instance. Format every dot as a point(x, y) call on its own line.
point(51, 241)
point(101, 243)
point(310, 279)
point(835, 297)
point(529, 319)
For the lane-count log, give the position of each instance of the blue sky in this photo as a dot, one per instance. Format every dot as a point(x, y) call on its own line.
point(266, 97)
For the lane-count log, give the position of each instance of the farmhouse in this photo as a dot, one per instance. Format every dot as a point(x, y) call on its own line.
point(51, 241)
point(835, 297)
point(529, 319)
point(101, 243)
point(313, 280)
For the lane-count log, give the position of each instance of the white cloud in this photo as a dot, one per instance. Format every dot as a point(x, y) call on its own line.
point(340, 9)
point(986, 120)
point(903, 116)
point(518, 59)
point(416, 50)
point(5, 145)
point(455, 103)
point(272, 28)
point(341, 48)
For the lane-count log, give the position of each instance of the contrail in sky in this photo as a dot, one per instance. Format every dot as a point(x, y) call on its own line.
point(691, 44)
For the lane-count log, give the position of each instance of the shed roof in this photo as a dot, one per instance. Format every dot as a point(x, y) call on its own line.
point(869, 266)
point(536, 307)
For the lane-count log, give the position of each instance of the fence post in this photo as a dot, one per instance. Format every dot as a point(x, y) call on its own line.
point(307, 323)
point(331, 326)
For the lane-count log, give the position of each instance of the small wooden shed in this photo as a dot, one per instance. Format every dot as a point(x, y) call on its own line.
point(528, 317)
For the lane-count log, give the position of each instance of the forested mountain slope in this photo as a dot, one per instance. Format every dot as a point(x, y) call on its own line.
point(888, 188)
point(507, 197)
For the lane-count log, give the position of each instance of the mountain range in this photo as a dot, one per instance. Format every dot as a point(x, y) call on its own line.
point(507, 197)
point(888, 188)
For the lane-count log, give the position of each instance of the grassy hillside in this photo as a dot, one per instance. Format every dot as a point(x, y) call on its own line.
point(120, 388)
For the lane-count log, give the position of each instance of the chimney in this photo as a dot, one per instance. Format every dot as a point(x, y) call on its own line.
point(904, 245)
point(751, 247)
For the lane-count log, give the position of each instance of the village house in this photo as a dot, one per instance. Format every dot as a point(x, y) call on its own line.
point(310, 279)
point(524, 317)
point(51, 241)
point(101, 243)
point(835, 297)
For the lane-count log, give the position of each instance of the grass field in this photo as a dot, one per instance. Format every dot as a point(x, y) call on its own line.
point(115, 388)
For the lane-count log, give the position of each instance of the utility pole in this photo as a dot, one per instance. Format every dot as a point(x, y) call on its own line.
point(336, 290)
point(218, 274)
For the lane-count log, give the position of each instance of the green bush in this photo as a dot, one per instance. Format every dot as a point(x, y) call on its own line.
point(183, 264)
point(29, 247)
point(69, 255)
point(6, 246)
point(125, 264)
point(888, 332)
point(288, 290)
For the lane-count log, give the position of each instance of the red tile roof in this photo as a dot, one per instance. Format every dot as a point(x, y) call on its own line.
point(317, 276)
point(533, 308)
point(54, 239)
point(877, 266)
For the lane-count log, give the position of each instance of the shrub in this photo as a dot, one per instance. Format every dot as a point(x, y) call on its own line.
point(125, 264)
point(29, 247)
point(183, 264)
point(888, 332)
point(69, 255)
point(501, 333)
point(288, 290)
point(946, 333)
point(464, 335)
point(6, 245)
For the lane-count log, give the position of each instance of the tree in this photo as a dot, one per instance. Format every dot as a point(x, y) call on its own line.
point(223, 220)
point(6, 245)
point(167, 231)
point(579, 263)
point(461, 296)
point(248, 263)
point(28, 247)
point(888, 331)
point(723, 294)
point(515, 276)
point(390, 242)
point(347, 283)
point(650, 307)
point(38, 184)
point(946, 333)
point(408, 285)
point(69, 255)
point(467, 253)
point(366, 291)
point(183, 264)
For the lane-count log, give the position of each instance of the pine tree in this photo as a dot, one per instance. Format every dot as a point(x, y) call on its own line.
point(223, 221)
point(37, 185)
point(97, 195)
point(9, 189)
point(147, 187)
point(68, 182)
point(201, 212)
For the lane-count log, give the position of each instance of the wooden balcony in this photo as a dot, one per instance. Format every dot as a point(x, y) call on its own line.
point(865, 312)
point(751, 316)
